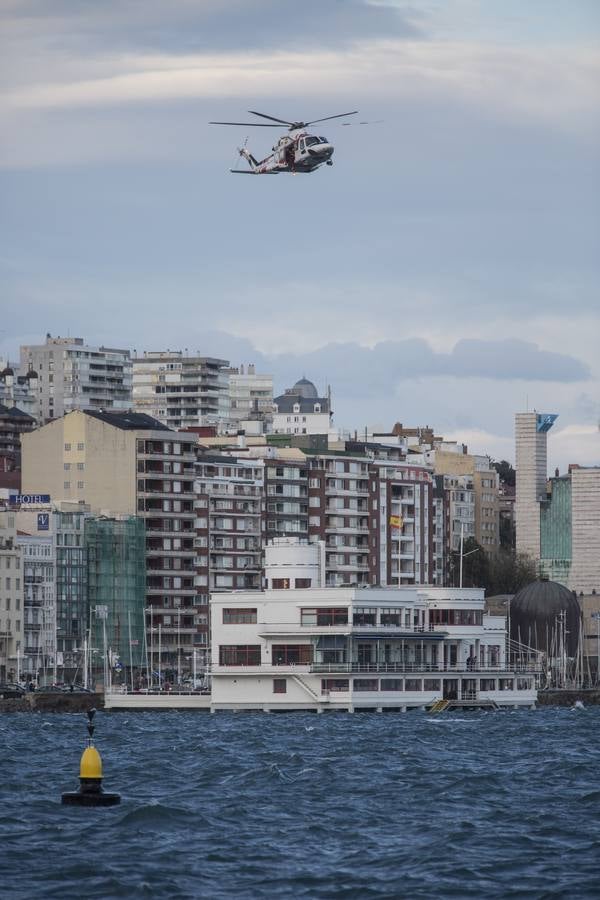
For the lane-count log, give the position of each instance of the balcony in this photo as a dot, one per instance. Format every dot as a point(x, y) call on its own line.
point(419, 668)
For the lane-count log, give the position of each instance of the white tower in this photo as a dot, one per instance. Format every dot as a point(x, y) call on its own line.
point(531, 465)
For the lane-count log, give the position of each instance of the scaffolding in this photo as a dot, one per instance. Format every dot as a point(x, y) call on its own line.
point(116, 562)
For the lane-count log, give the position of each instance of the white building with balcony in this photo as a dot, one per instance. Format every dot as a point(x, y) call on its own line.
point(181, 390)
point(318, 648)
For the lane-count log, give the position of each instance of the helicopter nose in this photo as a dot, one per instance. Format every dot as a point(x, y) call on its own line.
point(324, 151)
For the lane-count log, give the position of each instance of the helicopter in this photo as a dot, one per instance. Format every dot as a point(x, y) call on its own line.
point(295, 152)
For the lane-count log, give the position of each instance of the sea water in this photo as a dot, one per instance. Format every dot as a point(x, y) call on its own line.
point(481, 804)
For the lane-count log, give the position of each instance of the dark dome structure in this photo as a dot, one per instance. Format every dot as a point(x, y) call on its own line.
point(32, 374)
point(306, 389)
point(7, 371)
point(537, 612)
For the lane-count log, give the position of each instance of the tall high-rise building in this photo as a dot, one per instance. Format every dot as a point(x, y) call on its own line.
point(181, 391)
point(72, 375)
point(531, 430)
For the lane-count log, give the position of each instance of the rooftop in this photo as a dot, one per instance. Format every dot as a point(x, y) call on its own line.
point(127, 420)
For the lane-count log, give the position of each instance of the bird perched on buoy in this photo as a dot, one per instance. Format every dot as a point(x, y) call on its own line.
point(90, 791)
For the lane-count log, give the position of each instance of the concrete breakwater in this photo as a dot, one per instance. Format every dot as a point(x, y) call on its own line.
point(39, 701)
point(565, 697)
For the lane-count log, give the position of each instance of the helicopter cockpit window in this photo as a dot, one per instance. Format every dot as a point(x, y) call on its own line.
point(311, 139)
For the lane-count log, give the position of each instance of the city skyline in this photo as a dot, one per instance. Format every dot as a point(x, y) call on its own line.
point(443, 272)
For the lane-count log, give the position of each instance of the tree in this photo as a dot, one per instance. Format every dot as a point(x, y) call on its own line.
point(504, 572)
point(475, 565)
point(505, 471)
point(510, 571)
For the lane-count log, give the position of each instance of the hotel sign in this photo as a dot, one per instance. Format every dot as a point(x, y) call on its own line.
point(35, 499)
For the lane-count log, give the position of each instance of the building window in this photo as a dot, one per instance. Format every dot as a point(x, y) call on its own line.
point(280, 584)
point(335, 684)
point(80, 445)
point(456, 616)
point(365, 616)
point(391, 617)
point(239, 655)
point(67, 446)
point(366, 684)
point(291, 654)
point(80, 485)
point(67, 485)
point(412, 684)
point(280, 686)
point(232, 616)
point(303, 582)
point(330, 616)
point(391, 684)
point(431, 684)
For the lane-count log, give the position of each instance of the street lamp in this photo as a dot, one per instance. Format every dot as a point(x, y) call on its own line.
point(463, 555)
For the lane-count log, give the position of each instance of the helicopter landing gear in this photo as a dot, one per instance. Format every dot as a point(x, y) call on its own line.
point(329, 162)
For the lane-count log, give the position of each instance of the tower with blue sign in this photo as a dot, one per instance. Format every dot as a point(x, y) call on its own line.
point(531, 463)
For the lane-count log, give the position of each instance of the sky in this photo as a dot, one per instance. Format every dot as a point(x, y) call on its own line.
point(443, 272)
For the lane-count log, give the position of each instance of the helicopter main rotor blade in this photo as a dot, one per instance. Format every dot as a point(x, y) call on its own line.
point(247, 124)
point(327, 118)
point(272, 118)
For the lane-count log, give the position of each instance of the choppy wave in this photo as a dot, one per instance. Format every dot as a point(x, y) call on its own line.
point(251, 806)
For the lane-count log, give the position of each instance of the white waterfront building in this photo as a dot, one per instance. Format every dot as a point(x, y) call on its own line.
point(310, 647)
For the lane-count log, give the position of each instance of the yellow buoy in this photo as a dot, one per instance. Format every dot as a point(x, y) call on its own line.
point(90, 791)
point(91, 764)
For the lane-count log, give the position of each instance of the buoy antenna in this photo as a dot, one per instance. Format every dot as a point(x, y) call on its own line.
point(90, 727)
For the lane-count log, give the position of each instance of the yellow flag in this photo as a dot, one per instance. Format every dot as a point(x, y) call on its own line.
point(396, 521)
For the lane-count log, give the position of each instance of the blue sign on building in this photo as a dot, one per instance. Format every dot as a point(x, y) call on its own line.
point(34, 499)
point(43, 522)
point(545, 421)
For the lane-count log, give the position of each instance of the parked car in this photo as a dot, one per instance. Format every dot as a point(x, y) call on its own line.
point(10, 690)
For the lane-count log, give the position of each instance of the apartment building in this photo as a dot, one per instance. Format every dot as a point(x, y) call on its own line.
point(130, 464)
point(450, 458)
point(570, 529)
point(39, 605)
point(287, 502)
point(250, 397)
point(53, 535)
point(11, 599)
point(375, 517)
point(13, 423)
point(181, 390)
point(72, 375)
point(300, 410)
point(19, 390)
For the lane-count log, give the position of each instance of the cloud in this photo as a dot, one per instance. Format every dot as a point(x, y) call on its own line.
point(575, 443)
point(361, 370)
point(189, 25)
